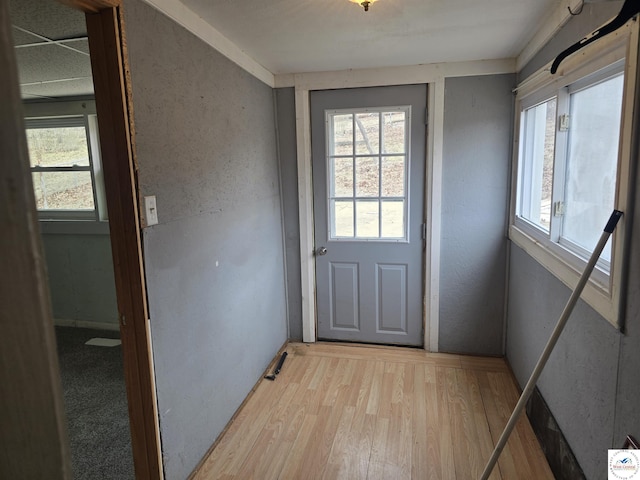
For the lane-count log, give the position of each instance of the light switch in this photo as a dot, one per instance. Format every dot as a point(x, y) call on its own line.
point(151, 210)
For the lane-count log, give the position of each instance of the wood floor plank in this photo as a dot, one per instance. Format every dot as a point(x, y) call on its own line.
point(375, 394)
point(362, 436)
point(295, 458)
point(447, 466)
point(394, 466)
point(496, 411)
point(273, 460)
point(420, 453)
point(483, 433)
point(311, 396)
point(281, 427)
point(338, 466)
point(406, 422)
point(364, 391)
point(335, 386)
point(378, 449)
point(363, 424)
point(438, 434)
point(370, 412)
point(386, 394)
point(462, 432)
point(319, 447)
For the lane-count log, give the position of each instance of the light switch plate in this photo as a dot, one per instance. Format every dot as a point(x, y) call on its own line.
point(151, 210)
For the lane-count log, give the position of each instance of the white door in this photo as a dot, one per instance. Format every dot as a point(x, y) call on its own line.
point(368, 148)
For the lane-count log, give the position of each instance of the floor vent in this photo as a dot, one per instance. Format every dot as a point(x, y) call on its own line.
point(562, 461)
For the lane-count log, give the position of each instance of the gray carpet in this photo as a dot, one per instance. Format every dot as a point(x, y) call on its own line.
point(95, 405)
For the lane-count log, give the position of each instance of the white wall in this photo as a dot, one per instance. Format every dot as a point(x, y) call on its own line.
point(81, 279)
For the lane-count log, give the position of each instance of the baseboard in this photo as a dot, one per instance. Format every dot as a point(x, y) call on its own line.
point(560, 457)
point(64, 322)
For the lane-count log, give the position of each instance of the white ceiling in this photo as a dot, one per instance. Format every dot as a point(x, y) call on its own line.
point(52, 51)
point(295, 36)
point(292, 36)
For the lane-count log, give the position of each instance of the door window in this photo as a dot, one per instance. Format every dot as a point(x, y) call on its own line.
point(368, 173)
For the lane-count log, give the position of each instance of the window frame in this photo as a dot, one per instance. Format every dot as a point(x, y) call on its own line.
point(406, 109)
point(592, 65)
point(72, 114)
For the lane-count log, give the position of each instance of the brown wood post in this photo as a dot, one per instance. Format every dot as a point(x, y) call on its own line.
point(108, 63)
point(32, 422)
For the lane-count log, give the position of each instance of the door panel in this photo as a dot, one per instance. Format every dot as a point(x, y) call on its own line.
point(368, 148)
point(391, 291)
point(344, 296)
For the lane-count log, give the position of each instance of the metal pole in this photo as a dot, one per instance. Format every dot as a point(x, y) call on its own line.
point(566, 313)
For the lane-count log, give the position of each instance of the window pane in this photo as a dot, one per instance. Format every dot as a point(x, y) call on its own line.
point(63, 190)
point(392, 219)
point(367, 177)
point(593, 158)
point(367, 218)
point(393, 176)
point(342, 177)
point(393, 127)
point(342, 218)
point(368, 133)
point(57, 147)
point(341, 135)
point(536, 174)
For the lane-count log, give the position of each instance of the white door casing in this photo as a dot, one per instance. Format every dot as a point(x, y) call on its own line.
point(369, 177)
point(432, 201)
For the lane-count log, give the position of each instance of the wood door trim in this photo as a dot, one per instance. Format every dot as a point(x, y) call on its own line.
point(113, 105)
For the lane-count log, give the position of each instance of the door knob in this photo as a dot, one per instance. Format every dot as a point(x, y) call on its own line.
point(321, 251)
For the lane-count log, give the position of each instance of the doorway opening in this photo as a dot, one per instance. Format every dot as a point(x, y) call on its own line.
point(72, 192)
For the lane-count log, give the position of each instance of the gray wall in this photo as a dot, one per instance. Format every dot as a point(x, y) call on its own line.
point(206, 147)
point(579, 382)
point(591, 382)
point(80, 271)
point(477, 149)
point(475, 178)
point(286, 107)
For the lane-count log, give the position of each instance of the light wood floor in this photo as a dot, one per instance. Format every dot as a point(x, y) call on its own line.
point(356, 412)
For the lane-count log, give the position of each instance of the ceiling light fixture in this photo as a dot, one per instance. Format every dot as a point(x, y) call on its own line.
point(364, 3)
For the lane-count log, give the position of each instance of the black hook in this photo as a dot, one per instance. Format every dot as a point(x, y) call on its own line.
point(578, 12)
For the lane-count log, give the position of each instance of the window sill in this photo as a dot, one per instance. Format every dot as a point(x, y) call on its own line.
point(603, 300)
point(74, 227)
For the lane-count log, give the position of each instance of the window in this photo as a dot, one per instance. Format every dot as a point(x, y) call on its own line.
point(65, 163)
point(571, 141)
point(368, 173)
point(536, 177)
point(588, 196)
point(573, 157)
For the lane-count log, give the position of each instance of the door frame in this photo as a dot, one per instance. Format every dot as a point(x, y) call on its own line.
point(109, 63)
point(404, 255)
point(433, 183)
